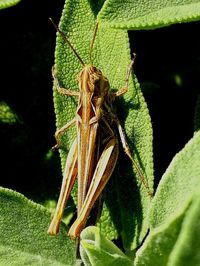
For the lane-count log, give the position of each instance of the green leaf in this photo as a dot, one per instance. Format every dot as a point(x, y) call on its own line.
point(125, 211)
point(23, 234)
point(178, 184)
point(8, 3)
point(148, 14)
point(173, 214)
point(7, 116)
point(96, 250)
point(186, 250)
point(158, 245)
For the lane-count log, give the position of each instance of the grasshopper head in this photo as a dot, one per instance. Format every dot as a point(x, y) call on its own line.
point(92, 80)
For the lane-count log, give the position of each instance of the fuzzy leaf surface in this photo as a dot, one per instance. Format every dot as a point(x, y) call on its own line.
point(96, 250)
point(186, 249)
point(173, 232)
point(148, 14)
point(23, 234)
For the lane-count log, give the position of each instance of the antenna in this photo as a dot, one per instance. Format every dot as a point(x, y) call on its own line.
point(92, 43)
point(68, 42)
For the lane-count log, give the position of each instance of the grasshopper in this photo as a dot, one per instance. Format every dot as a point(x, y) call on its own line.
point(94, 152)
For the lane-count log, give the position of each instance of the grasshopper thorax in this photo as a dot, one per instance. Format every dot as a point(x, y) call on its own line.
point(92, 80)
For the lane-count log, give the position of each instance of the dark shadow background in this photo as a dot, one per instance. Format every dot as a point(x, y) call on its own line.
point(167, 66)
point(27, 55)
point(168, 69)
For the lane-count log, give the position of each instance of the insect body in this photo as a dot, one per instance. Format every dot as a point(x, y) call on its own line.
point(94, 152)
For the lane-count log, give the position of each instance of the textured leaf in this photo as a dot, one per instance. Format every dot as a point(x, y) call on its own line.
point(96, 250)
point(149, 13)
point(23, 234)
point(178, 184)
point(8, 3)
point(127, 203)
point(7, 116)
point(186, 250)
point(172, 215)
point(176, 243)
point(159, 244)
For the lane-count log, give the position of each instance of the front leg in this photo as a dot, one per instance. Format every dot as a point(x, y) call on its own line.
point(63, 90)
point(61, 131)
